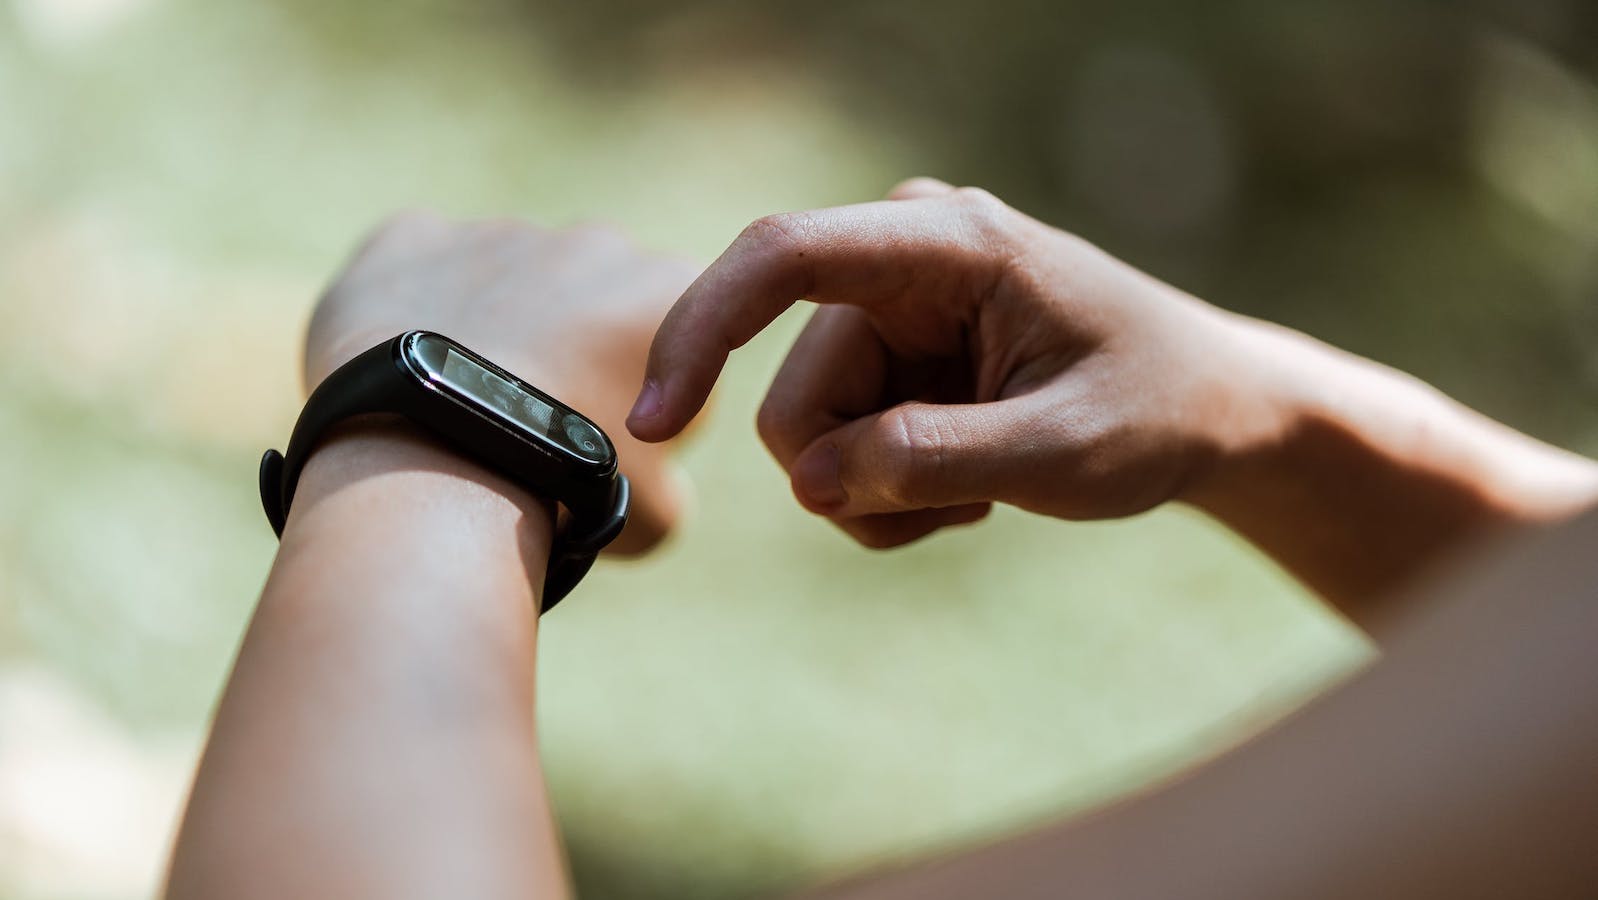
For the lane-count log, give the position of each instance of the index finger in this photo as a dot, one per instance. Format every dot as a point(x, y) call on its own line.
point(940, 251)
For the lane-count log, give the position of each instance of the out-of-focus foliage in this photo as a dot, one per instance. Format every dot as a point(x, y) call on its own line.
point(1415, 181)
point(763, 703)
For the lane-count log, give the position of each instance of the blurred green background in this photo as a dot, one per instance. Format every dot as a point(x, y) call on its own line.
point(763, 704)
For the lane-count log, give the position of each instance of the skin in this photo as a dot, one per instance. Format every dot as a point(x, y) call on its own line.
point(1458, 766)
point(377, 736)
point(568, 310)
point(377, 739)
point(966, 354)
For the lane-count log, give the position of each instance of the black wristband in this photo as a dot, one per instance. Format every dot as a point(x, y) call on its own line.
point(486, 414)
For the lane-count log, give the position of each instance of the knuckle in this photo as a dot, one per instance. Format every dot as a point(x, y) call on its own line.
point(921, 184)
point(778, 243)
point(779, 233)
point(980, 206)
point(975, 197)
point(918, 449)
point(993, 226)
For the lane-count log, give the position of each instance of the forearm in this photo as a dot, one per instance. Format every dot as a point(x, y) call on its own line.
point(1357, 478)
point(377, 735)
point(1460, 765)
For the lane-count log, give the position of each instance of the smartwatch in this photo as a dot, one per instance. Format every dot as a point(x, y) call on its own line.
point(488, 415)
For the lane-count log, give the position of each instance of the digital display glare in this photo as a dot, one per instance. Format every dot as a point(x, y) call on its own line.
point(495, 392)
point(526, 409)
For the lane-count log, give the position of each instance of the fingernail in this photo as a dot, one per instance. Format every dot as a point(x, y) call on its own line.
point(650, 400)
point(818, 481)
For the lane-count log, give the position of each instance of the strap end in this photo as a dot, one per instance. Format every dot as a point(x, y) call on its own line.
point(271, 480)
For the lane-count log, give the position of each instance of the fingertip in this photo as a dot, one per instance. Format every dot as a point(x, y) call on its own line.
point(651, 400)
point(645, 421)
point(650, 431)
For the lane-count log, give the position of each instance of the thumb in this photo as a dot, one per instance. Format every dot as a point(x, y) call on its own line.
point(918, 456)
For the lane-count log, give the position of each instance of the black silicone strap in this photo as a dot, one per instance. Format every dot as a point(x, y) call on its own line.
point(373, 383)
point(366, 384)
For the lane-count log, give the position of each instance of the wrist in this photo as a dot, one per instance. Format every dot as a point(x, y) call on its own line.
point(1298, 412)
point(382, 483)
point(1247, 410)
point(1302, 410)
point(396, 635)
point(1357, 477)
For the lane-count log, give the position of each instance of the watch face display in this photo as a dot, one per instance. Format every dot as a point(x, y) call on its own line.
point(504, 397)
point(491, 390)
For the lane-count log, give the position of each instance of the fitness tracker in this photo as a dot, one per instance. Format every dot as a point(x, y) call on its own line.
point(487, 414)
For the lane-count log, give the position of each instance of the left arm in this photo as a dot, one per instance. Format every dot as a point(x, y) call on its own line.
point(377, 736)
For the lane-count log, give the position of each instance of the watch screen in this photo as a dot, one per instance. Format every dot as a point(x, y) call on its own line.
point(493, 391)
point(457, 369)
